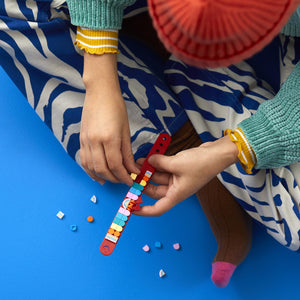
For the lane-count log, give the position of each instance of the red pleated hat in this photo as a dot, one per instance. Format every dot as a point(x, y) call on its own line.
point(217, 33)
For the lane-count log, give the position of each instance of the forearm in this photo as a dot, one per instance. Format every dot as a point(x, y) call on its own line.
point(105, 151)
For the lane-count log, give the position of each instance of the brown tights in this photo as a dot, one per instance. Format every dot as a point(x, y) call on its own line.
point(231, 226)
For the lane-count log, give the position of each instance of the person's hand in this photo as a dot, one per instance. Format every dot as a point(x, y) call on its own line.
point(183, 174)
point(105, 147)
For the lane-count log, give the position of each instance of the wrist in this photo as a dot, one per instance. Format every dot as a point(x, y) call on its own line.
point(100, 71)
point(226, 151)
point(229, 150)
point(221, 154)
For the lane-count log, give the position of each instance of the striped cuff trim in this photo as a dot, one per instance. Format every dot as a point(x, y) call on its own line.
point(97, 41)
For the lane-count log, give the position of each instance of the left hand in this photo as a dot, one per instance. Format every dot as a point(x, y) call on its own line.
point(105, 147)
point(183, 174)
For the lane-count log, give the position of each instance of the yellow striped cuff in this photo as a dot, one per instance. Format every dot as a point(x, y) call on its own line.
point(246, 154)
point(97, 41)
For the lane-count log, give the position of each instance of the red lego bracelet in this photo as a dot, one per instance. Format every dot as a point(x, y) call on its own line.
point(133, 198)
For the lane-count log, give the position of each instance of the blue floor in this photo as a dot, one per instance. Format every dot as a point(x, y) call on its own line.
point(42, 259)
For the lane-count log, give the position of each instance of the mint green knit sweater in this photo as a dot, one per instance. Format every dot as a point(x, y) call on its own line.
point(273, 131)
point(98, 14)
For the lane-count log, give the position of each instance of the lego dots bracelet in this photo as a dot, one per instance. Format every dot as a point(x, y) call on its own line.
point(133, 198)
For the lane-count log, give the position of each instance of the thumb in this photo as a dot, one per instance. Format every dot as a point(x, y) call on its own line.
point(161, 162)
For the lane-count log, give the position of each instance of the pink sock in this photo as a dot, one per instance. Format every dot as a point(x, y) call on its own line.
point(221, 273)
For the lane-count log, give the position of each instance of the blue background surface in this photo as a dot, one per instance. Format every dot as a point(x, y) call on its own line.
point(41, 258)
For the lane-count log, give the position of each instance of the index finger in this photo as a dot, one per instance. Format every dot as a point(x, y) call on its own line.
point(160, 178)
point(159, 208)
point(156, 191)
point(115, 162)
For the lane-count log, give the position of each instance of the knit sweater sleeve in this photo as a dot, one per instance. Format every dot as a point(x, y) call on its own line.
point(98, 14)
point(292, 28)
point(274, 130)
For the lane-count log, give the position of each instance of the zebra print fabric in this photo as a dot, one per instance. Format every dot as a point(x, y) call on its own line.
point(37, 51)
point(221, 98)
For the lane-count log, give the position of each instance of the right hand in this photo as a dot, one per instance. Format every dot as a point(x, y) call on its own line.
point(181, 175)
point(105, 147)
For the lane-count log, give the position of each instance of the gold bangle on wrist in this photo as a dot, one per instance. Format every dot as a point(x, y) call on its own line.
point(246, 154)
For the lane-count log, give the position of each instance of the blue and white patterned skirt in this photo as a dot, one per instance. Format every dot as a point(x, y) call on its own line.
point(37, 51)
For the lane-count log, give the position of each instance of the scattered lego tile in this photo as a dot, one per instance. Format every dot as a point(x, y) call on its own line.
point(177, 246)
point(146, 248)
point(158, 245)
point(60, 214)
point(161, 273)
point(90, 219)
point(94, 199)
point(73, 227)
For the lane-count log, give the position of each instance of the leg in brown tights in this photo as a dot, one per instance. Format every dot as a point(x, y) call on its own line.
point(230, 224)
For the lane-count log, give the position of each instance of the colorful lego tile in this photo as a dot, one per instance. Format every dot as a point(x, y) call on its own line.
point(135, 191)
point(121, 216)
point(133, 176)
point(117, 233)
point(162, 273)
point(137, 186)
point(143, 183)
point(125, 202)
point(118, 222)
point(139, 200)
point(73, 227)
point(132, 196)
point(148, 174)
point(145, 178)
point(136, 207)
point(116, 227)
point(124, 211)
point(90, 219)
point(176, 246)
point(146, 248)
point(60, 214)
point(158, 245)
point(94, 199)
point(111, 238)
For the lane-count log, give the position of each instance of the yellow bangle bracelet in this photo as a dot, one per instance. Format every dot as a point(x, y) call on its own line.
point(246, 154)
